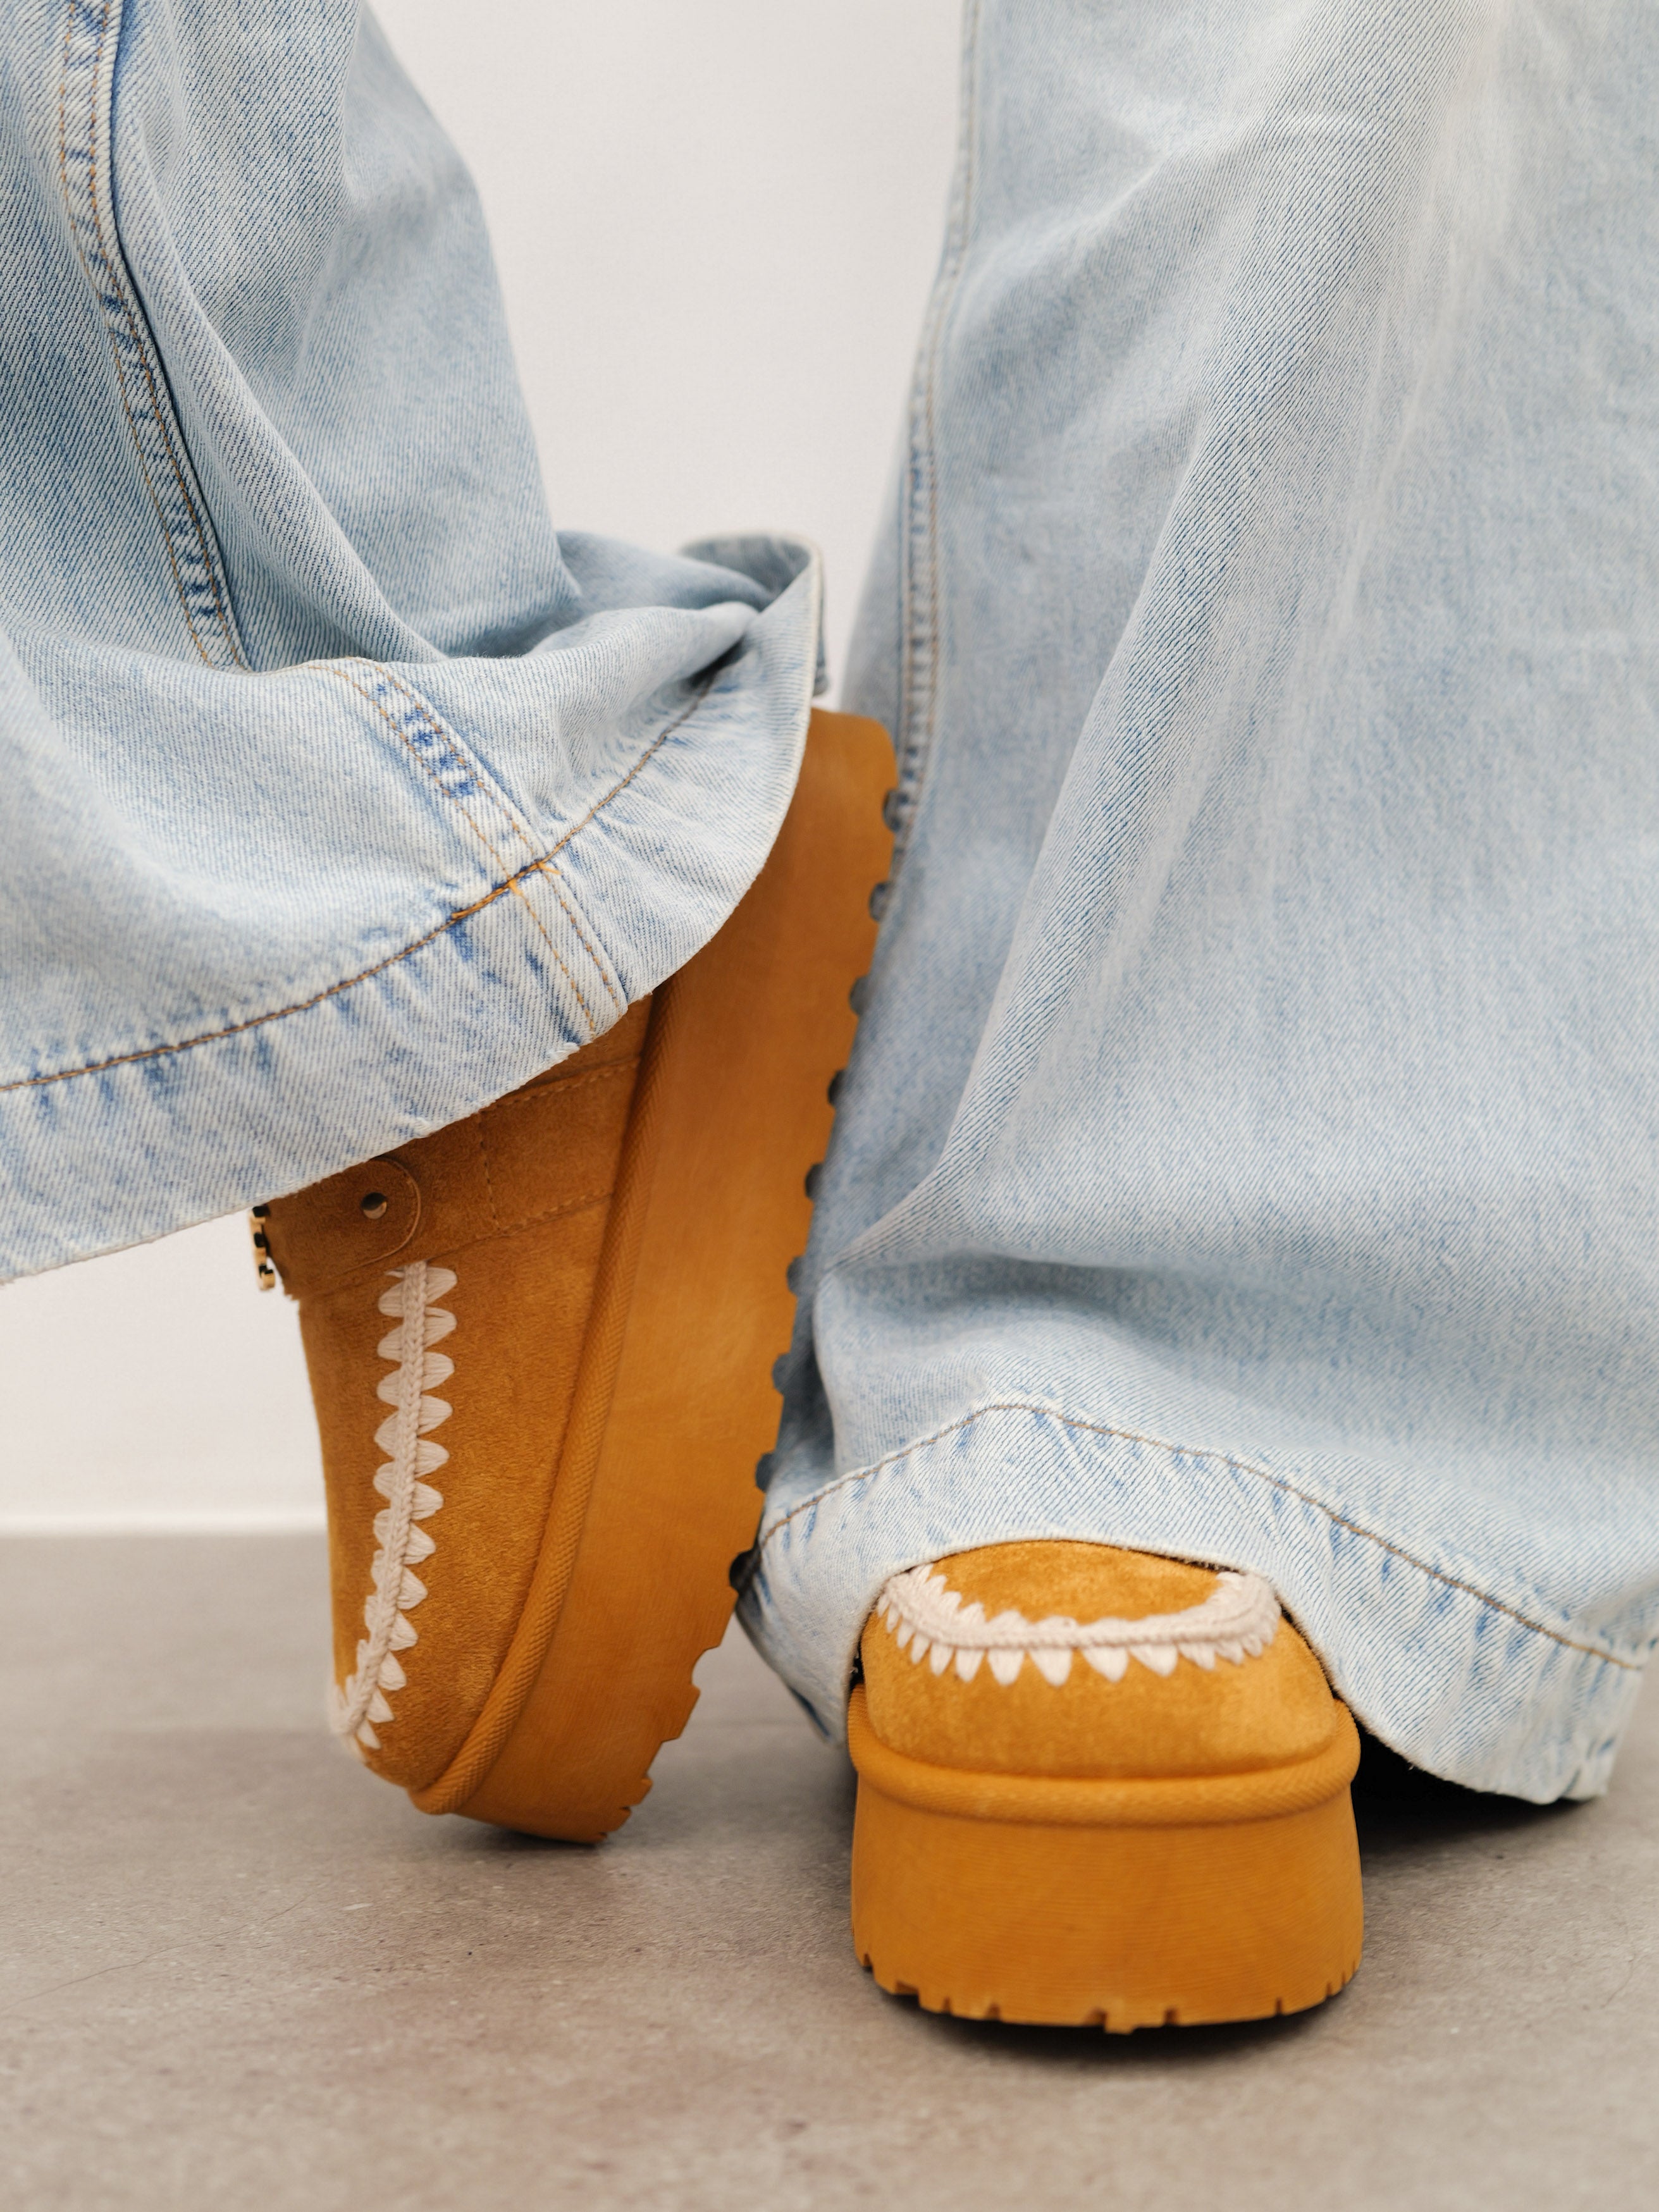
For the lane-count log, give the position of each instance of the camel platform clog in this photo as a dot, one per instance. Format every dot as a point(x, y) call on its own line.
point(1099, 1787)
point(540, 1343)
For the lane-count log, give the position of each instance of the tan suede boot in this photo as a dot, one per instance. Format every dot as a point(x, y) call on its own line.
point(540, 1345)
point(1102, 1788)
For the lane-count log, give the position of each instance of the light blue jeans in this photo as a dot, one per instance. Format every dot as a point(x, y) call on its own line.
point(1249, 1149)
point(341, 795)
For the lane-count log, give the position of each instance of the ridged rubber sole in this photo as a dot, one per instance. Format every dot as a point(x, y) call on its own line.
point(655, 1490)
point(1116, 1904)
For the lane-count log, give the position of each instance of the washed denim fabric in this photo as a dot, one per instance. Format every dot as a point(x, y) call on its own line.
point(1249, 1148)
point(341, 795)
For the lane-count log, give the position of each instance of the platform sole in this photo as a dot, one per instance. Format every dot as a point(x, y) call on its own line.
point(655, 1492)
point(1107, 1904)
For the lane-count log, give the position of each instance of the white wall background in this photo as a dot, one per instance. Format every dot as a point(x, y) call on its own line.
point(715, 221)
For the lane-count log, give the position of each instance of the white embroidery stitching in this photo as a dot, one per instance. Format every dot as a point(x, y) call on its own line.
point(361, 1701)
point(1239, 1617)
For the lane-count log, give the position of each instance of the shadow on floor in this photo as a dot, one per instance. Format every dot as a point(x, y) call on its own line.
point(1398, 1806)
point(1186, 2047)
point(1399, 1809)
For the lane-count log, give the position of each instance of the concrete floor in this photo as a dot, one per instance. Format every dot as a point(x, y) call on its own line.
point(237, 1972)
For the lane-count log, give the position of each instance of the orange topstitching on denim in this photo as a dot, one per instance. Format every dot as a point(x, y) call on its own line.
point(349, 983)
point(1192, 1451)
point(161, 412)
point(278, 1013)
point(444, 737)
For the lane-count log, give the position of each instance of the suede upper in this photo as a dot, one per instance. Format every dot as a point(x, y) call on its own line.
point(1235, 1716)
point(513, 1202)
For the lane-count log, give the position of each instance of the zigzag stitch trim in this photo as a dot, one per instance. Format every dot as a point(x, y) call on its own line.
point(1239, 1619)
point(361, 1700)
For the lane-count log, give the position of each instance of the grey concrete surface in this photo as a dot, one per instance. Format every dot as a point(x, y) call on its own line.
point(238, 1972)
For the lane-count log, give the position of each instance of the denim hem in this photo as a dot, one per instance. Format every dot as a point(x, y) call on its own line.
point(1458, 1681)
point(496, 968)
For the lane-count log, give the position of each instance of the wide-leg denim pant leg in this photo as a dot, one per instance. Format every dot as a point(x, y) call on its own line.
point(340, 795)
point(1250, 1152)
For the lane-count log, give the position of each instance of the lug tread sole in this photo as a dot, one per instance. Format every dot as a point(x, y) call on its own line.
point(1239, 1910)
point(655, 1492)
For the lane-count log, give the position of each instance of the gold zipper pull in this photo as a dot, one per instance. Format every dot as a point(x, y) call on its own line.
point(258, 1216)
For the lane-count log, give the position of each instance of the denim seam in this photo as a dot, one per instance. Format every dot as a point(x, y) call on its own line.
point(116, 295)
point(276, 1013)
point(365, 974)
point(456, 755)
point(442, 732)
point(621, 785)
point(600, 967)
point(457, 752)
point(918, 700)
point(606, 967)
point(1193, 1452)
point(447, 737)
